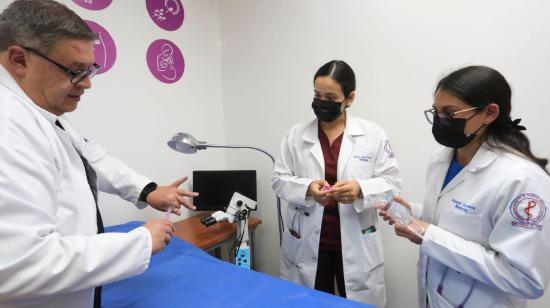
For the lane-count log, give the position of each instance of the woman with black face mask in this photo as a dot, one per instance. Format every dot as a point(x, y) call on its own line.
point(484, 227)
point(330, 170)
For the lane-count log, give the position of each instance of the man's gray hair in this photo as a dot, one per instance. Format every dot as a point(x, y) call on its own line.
point(40, 24)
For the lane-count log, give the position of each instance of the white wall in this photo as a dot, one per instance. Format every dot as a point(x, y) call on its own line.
point(398, 49)
point(133, 115)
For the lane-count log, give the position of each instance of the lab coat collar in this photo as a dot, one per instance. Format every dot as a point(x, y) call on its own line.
point(7, 80)
point(48, 115)
point(352, 129)
point(483, 157)
point(311, 135)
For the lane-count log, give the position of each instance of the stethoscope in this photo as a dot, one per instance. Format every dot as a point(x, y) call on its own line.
point(440, 288)
point(296, 233)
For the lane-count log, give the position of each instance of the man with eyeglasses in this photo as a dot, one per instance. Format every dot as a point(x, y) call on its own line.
point(52, 252)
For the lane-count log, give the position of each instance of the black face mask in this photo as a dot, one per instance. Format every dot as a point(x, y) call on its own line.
point(327, 111)
point(450, 132)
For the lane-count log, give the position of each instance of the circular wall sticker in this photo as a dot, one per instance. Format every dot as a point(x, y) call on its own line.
point(94, 5)
point(167, 14)
point(104, 47)
point(165, 61)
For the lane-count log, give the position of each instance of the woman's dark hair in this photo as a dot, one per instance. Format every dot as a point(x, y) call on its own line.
point(339, 71)
point(479, 86)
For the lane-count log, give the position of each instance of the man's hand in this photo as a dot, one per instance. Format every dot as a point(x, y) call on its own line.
point(315, 190)
point(345, 191)
point(161, 231)
point(171, 196)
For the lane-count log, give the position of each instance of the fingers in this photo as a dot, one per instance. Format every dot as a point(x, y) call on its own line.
point(161, 231)
point(181, 200)
point(175, 209)
point(189, 205)
point(317, 186)
point(175, 202)
point(343, 196)
point(321, 197)
point(168, 226)
point(341, 188)
point(339, 183)
point(178, 182)
point(379, 207)
point(402, 231)
point(402, 201)
point(186, 193)
point(386, 217)
point(401, 228)
point(186, 203)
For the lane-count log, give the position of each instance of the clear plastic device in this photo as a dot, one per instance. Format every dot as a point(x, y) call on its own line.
point(398, 212)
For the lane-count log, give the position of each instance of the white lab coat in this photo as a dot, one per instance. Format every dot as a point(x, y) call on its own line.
point(51, 253)
point(365, 156)
point(477, 232)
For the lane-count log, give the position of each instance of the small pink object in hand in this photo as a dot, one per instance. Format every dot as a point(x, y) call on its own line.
point(326, 188)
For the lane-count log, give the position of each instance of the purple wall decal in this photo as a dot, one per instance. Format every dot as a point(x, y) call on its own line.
point(167, 14)
point(165, 61)
point(104, 47)
point(94, 5)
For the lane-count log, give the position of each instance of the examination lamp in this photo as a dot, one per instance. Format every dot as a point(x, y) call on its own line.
point(185, 143)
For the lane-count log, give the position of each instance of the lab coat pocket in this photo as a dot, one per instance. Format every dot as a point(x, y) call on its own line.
point(374, 253)
point(466, 225)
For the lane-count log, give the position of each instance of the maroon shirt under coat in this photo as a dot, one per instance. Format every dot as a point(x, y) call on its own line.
point(330, 229)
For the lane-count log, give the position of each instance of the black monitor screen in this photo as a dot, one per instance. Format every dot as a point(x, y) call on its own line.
point(216, 187)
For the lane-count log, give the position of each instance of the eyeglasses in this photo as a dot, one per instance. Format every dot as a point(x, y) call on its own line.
point(431, 113)
point(76, 76)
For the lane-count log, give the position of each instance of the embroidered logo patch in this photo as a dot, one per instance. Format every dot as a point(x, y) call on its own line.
point(388, 149)
point(528, 211)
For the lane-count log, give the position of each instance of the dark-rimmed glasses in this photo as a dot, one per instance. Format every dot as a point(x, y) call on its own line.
point(431, 113)
point(76, 76)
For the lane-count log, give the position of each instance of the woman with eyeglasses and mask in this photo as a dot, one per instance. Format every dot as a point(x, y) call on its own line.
point(484, 227)
point(330, 170)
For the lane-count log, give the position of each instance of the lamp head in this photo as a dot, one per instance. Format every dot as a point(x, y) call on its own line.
point(185, 143)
